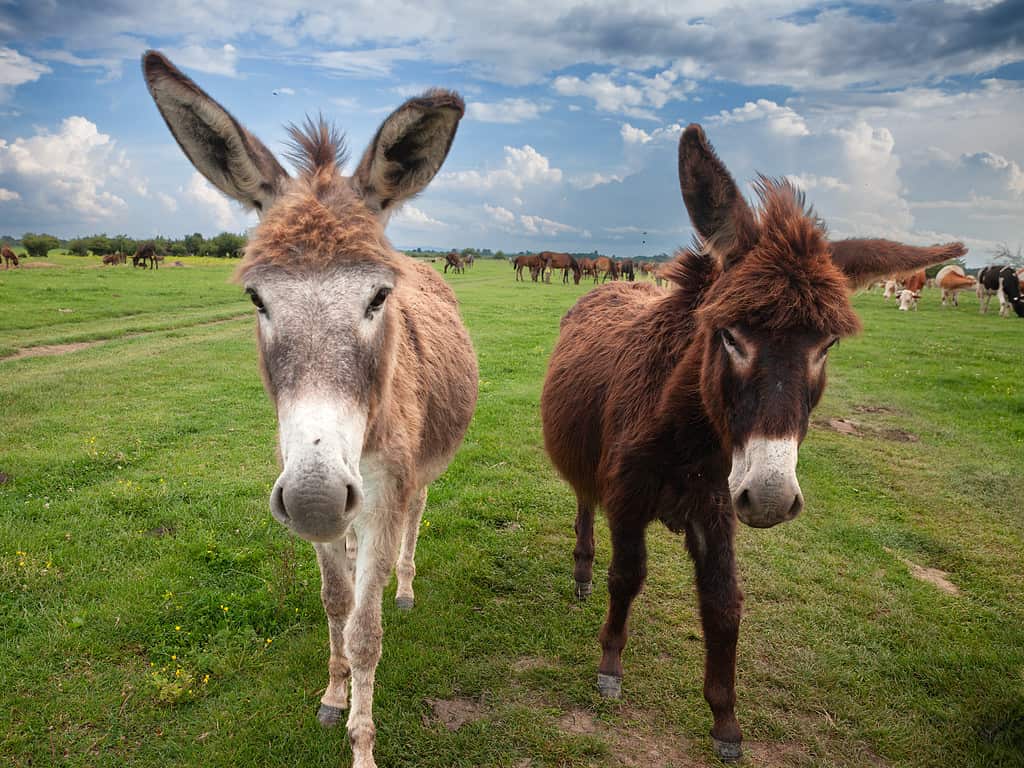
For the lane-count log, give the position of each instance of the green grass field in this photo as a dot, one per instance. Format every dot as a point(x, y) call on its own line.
point(153, 614)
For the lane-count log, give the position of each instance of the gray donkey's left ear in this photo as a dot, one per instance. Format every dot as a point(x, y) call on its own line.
point(234, 160)
point(409, 148)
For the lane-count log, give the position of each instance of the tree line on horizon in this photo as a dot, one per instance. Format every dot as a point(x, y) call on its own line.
point(224, 245)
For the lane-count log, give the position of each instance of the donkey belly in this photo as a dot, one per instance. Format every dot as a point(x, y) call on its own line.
point(581, 374)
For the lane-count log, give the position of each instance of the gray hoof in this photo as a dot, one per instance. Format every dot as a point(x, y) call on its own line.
point(329, 716)
point(583, 589)
point(727, 751)
point(610, 686)
point(404, 603)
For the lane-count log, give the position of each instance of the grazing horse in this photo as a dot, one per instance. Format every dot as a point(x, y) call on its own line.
point(10, 257)
point(563, 261)
point(454, 260)
point(586, 265)
point(627, 269)
point(469, 259)
point(361, 349)
point(145, 253)
point(607, 266)
point(531, 262)
point(1003, 282)
point(688, 406)
point(112, 258)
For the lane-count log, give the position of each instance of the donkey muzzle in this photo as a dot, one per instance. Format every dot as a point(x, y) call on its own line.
point(320, 490)
point(763, 482)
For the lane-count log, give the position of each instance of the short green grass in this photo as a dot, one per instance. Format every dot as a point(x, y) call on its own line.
point(153, 614)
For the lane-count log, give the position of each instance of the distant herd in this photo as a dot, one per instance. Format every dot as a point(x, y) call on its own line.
point(998, 280)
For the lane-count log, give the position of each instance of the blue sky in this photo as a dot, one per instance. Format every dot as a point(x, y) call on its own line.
point(900, 119)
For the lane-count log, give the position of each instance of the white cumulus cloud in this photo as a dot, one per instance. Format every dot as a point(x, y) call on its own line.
point(74, 168)
point(523, 166)
point(781, 120)
point(504, 111)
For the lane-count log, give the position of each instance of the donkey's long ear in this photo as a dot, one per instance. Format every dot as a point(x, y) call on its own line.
point(718, 211)
point(863, 261)
point(408, 149)
point(234, 160)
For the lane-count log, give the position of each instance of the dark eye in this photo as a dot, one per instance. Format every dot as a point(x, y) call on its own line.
point(256, 300)
point(378, 301)
point(827, 347)
point(730, 342)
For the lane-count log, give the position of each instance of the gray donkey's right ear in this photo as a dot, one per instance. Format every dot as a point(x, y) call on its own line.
point(234, 160)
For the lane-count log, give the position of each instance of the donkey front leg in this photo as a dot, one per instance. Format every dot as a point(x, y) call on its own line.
point(720, 608)
point(626, 576)
point(377, 535)
point(336, 576)
point(406, 570)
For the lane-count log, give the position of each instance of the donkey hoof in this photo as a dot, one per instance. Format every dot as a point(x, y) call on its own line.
point(727, 751)
point(583, 589)
point(329, 716)
point(404, 603)
point(610, 686)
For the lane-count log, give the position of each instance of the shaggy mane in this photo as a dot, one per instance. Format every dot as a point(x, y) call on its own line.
point(786, 280)
point(316, 146)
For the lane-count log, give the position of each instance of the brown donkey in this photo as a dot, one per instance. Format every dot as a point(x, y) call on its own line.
point(361, 349)
point(10, 258)
point(692, 410)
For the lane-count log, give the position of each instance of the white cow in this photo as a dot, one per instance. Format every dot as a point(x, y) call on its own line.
point(908, 300)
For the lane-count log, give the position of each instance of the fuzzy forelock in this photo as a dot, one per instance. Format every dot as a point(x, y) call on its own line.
point(786, 281)
point(316, 146)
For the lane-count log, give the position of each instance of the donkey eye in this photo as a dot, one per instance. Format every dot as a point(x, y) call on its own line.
point(730, 342)
point(827, 347)
point(256, 300)
point(378, 300)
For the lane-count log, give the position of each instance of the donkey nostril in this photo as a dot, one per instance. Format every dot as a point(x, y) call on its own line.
point(797, 507)
point(277, 501)
point(743, 500)
point(351, 498)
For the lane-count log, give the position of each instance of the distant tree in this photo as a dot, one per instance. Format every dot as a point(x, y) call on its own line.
point(124, 244)
point(38, 246)
point(224, 245)
point(193, 243)
point(177, 248)
point(79, 247)
point(1002, 254)
point(100, 244)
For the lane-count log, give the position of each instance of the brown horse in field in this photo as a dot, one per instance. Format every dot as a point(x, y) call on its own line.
point(112, 258)
point(563, 261)
point(145, 254)
point(529, 261)
point(586, 265)
point(627, 269)
point(688, 406)
point(606, 265)
point(361, 348)
point(10, 257)
point(454, 260)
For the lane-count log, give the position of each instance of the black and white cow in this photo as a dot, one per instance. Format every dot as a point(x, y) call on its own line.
point(1000, 281)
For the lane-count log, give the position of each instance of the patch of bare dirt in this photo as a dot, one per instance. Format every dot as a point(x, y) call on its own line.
point(771, 754)
point(873, 409)
point(856, 429)
point(4, 478)
point(633, 743)
point(161, 530)
point(530, 663)
point(454, 713)
point(44, 350)
point(39, 265)
point(933, 576)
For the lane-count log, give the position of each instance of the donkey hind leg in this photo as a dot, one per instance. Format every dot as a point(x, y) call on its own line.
point(406, 569)
point(336, 575)
point(378, 538)
point(626, 576)
point(720, 608)
point(583, 553)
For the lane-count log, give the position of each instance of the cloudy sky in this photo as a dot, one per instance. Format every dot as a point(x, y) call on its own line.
point(900, 119)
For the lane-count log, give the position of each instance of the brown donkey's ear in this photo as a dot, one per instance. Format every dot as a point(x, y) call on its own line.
point(408, 149)
point(234, 160)
point(718, 211)
point(863, 261)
